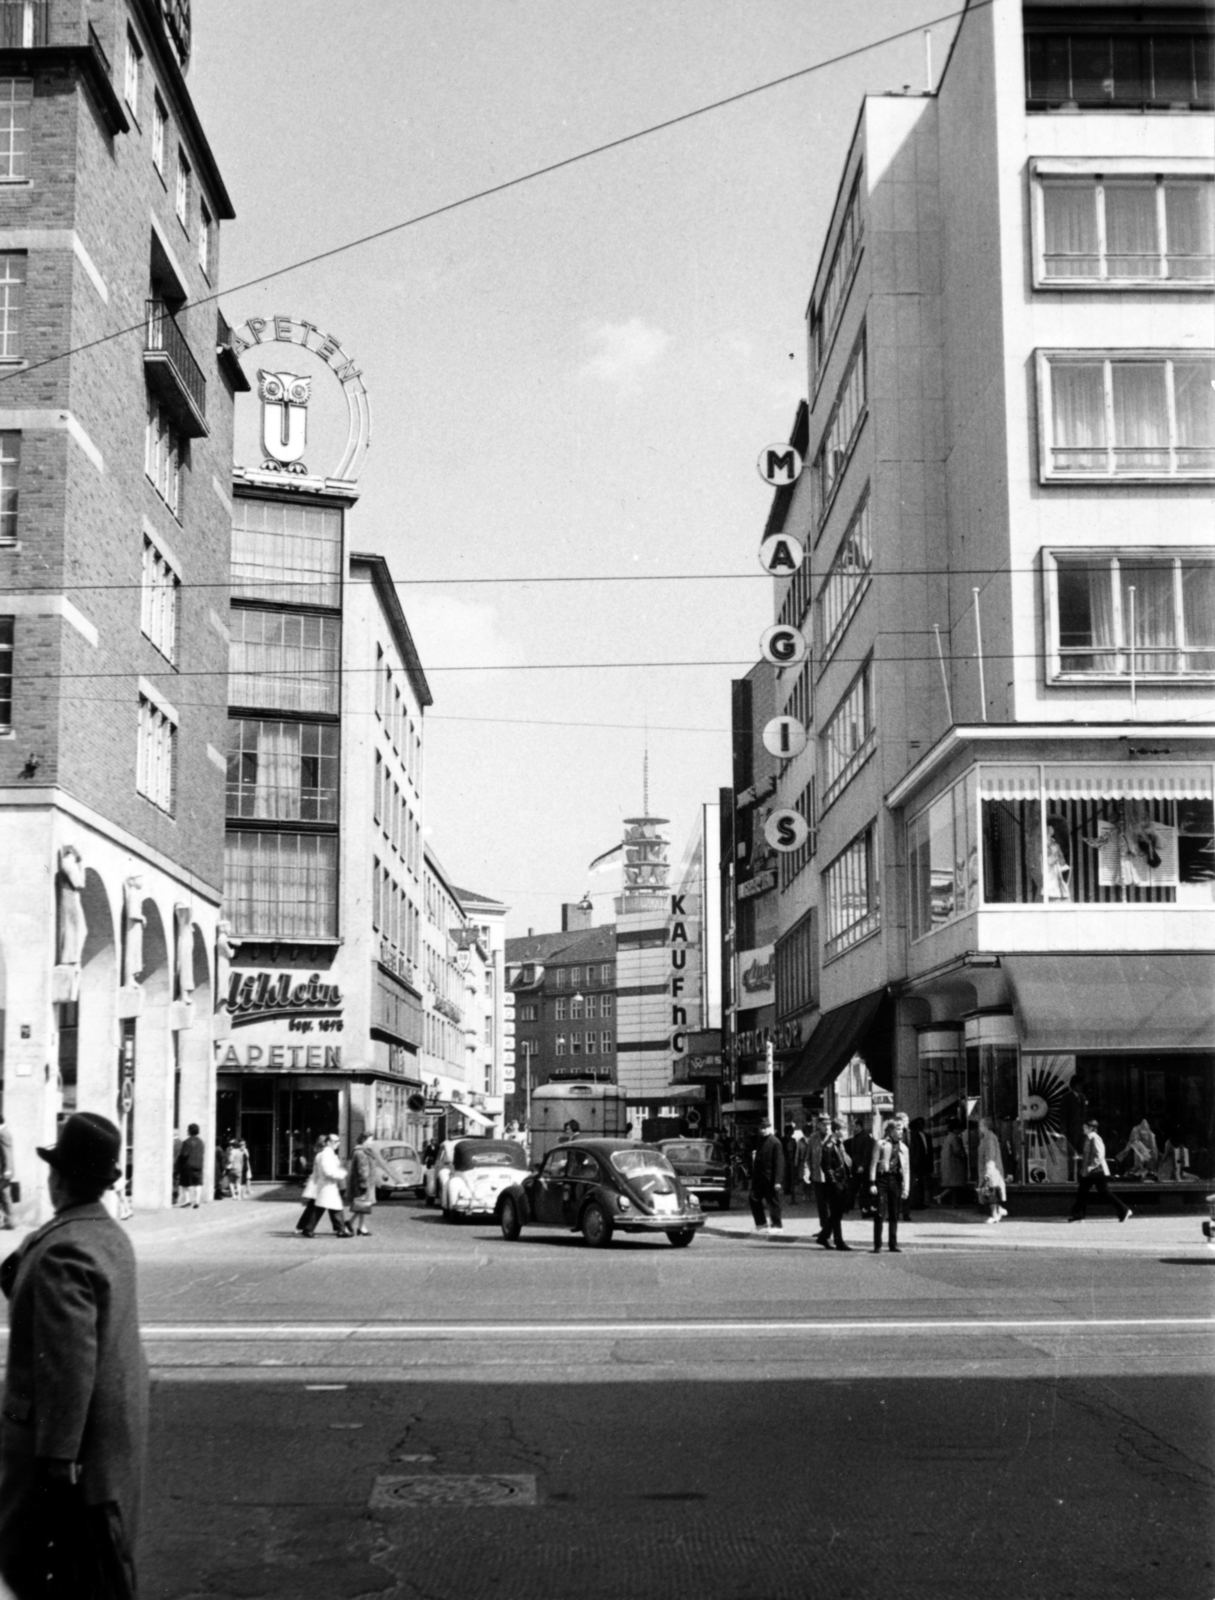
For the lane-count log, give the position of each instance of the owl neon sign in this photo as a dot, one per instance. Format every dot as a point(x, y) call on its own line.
point(285, 395)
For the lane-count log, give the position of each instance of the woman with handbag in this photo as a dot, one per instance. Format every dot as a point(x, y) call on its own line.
point(992, 1191)
point(361, 1189)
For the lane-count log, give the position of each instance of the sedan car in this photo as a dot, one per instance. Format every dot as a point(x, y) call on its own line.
point(397, 1168)
point(470, 1174)
point(599, 1187)
point(702, 1169)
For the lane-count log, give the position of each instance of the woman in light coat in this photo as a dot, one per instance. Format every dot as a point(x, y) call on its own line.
point(890, 1175)
point(954, 1174)
point(329, 1174)
point(361, 1188)
point(310, 1216)
point(992, 1190)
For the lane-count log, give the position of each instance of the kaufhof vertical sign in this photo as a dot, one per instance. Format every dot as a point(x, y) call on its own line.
point(685, 930)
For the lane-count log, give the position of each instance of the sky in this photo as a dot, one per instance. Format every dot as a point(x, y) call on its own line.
point(570, 381)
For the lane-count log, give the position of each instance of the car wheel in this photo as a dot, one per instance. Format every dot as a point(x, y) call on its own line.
point(681, 1237)
point(508, 1219)
point(596, 1226)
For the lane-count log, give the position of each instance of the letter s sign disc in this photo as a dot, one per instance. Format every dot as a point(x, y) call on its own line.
point(783, 646)
point(786, 830)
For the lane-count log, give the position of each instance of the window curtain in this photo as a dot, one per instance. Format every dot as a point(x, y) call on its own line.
point(1130, 229)
point(1070, 243)
point(281, 885)
point(277, 795)
point(1155, 622)
point(1198, 613)
point(1086, 618)
point(1078, 405)
point(1189, 210)
point(1194, 407)
point(1141, 416)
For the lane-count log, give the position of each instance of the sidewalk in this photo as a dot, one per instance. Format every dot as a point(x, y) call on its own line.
point(942, 1228)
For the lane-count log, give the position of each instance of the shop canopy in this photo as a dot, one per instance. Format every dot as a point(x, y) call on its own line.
point(477, 1118)
point(1097, 1003)
point(863, 1027)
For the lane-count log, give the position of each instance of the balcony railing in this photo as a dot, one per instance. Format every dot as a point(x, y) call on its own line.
point(172, 369)
point(24, 24)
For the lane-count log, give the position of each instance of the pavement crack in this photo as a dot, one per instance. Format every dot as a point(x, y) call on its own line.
point(1137, 1442)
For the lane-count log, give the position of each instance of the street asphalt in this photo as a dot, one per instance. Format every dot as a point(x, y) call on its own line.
point(1020, 1412)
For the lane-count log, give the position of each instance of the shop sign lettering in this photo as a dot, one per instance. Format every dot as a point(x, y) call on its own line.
point(283, 1057)
point(267, 996)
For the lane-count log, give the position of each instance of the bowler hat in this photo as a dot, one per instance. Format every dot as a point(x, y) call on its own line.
point(87, 1149)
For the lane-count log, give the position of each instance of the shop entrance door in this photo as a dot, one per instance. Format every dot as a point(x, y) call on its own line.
point(257, 1130)
point(304, 1115)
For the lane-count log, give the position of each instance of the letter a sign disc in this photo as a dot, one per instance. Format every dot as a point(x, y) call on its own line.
point(786, 830)
point(781, 555)
point(784, 737)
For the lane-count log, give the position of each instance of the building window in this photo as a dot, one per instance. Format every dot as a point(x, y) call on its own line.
point(847, 580)
point(577, 1006)
point(132, 73)
point(592, 1009)
point(575, 1044)
point(6, 672)
point(12, 304)
point(1133, 68)
point(527, 1013)
point(850, 894)
point(590, 1041)
point(605, 1005)
point(1093, 595)
point(943, 859)
point(559, 1010)
point(154, 768)
point(575, 977)
point(16, 104)
point(1118, 228)
point(561, 977)
point(796, 598)
point(184, 180)
point(163, 449)
point(283, 771)
point(801, 696)
point(290, 554)
point(605, 1042)
point(284, 661)
point(605, 973)
point(843, 427)
point(794, 861)
point(281, 885)
point(10, 469)
point(160, 121)
point(1108, 415)
point(206, 236)
point(559, 1045)
point(847, 250)
point(848, 738)
point(159, 600)
point(797, 967)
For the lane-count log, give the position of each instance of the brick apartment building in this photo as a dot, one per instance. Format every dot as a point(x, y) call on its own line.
point(116, 403)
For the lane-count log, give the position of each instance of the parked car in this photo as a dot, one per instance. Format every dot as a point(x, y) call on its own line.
point(599, 1187)
point(470, 1174)
point(397, 1168)
point(702, 1169)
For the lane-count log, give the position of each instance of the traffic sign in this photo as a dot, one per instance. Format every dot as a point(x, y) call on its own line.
point(784, 737)
point(783, 646)
point(781, 555)
point(786, 829)
point(779, 465)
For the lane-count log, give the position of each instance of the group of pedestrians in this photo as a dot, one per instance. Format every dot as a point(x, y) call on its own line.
point(346, 1194)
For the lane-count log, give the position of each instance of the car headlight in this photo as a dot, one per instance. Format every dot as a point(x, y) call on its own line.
point(623, 1201)
point(694, 1200)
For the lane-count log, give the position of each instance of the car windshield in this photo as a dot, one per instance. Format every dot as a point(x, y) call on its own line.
point(395, 1152)
point(485, 1153)
point(642, 1163)
point(691, 1150)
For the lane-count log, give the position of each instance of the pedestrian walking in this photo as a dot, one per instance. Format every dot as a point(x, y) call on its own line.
point(76, 1387)
point(904, 1123)
point(1094, 1176)
point(191, 1167)
point(310, 1215)
point(234, 1169)
point(790, 1142)
point(837, 1174)
point(7, 1177)
point(329, 1175)
point(814, 1174)
point(890, 1175)
point(360, 1192)
point(247, 1181)
point(955, 1177)
point(767, 1181)
point(860, 1148)
point(992, 1190)
point(922, 1156)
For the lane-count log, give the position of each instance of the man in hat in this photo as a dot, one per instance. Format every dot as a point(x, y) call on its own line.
point(767, 1181)
point(76, 1385)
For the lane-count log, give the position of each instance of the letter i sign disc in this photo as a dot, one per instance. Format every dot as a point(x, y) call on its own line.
point(786, 829)
point(784, 737)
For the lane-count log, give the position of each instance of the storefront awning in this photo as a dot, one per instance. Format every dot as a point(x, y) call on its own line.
point(1071, 1003)
point(477, 1118)
point(863, 1026)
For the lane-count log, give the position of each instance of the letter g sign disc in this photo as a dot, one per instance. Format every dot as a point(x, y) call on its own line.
point(783, 646)
point(786, 830)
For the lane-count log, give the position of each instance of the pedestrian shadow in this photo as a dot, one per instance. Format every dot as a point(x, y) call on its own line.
point(1187, 1261)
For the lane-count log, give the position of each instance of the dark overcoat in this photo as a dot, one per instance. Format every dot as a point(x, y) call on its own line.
point(768, 1167)
point(192, 1162)
point(76, 1384)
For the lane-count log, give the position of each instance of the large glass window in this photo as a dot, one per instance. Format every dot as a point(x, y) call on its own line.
point(292, 554)
point(163, 451)
point(12, 305)
point(10, 469)
point(847, 580)
point(842, 428)
point(823, 316)
point(1114, 613)
point(157, 747)
point(850, 894)
point(943, 859)
point(6, 672)
point(1129, 416)
point(1118, 70)
point(159, 599)
point(281, 885)
point(1106, 227)
point(797, 967)
point(16, 101)
point(283, 771)
point(847, 739)
point(285, 661)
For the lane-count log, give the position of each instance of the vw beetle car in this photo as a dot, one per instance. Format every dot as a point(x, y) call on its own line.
point(600, 1187)
point(470, 1174)
point(397, 1168)
point(702, 1169)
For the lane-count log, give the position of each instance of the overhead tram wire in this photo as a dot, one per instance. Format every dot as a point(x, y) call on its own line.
point(523, 178)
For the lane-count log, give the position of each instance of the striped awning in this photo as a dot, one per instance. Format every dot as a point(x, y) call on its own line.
point(1102, 1003)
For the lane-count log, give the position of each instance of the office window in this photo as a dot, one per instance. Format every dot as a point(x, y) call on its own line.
point(605, 1042)
point(6, 672)
point(185, 177)
point(1112, 228)
point(793, 861)
point(1131, 68)
point(561, 977)
point(160, 121)
point(1095, 598)
point(12, 304)
point(163, 448)
point(801, 696)
point(575, 977)
point(154, 767)
point(797, 967)
point(10, 469)
point(291, 554)
point(943, 859)
point(796, 598)
point(605, 973)
point(376, 899)
point(281, 885)
point(132, 73)
point(590, 1041)
point(527, 1013)
point(159, 598)
point(592, 1008)
point(850, 894)
point(575, 1044)
point(823, 317)
point(1107, 415)
point(847, 580)
point(16, 105)
point(559, 1045)
point(559, 1010)
point(605, 1005)
point(847, 739)
point(282, 771)
point(285, 661)
point(206, 235)
point(843, 428)
point(577, 1006)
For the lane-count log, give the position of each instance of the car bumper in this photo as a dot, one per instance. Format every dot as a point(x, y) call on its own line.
point(475, 1206)
point(630, 1222)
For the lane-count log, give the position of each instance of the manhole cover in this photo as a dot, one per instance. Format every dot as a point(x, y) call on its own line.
point(492, 1489)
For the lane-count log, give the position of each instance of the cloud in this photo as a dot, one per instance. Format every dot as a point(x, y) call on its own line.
point(622, 351)
point(450, 631)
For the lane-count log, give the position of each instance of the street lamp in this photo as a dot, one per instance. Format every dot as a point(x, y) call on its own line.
point(528, 1047)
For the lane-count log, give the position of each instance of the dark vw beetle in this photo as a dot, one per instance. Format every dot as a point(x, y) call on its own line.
point(600, 1187)
point(701, 1167)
